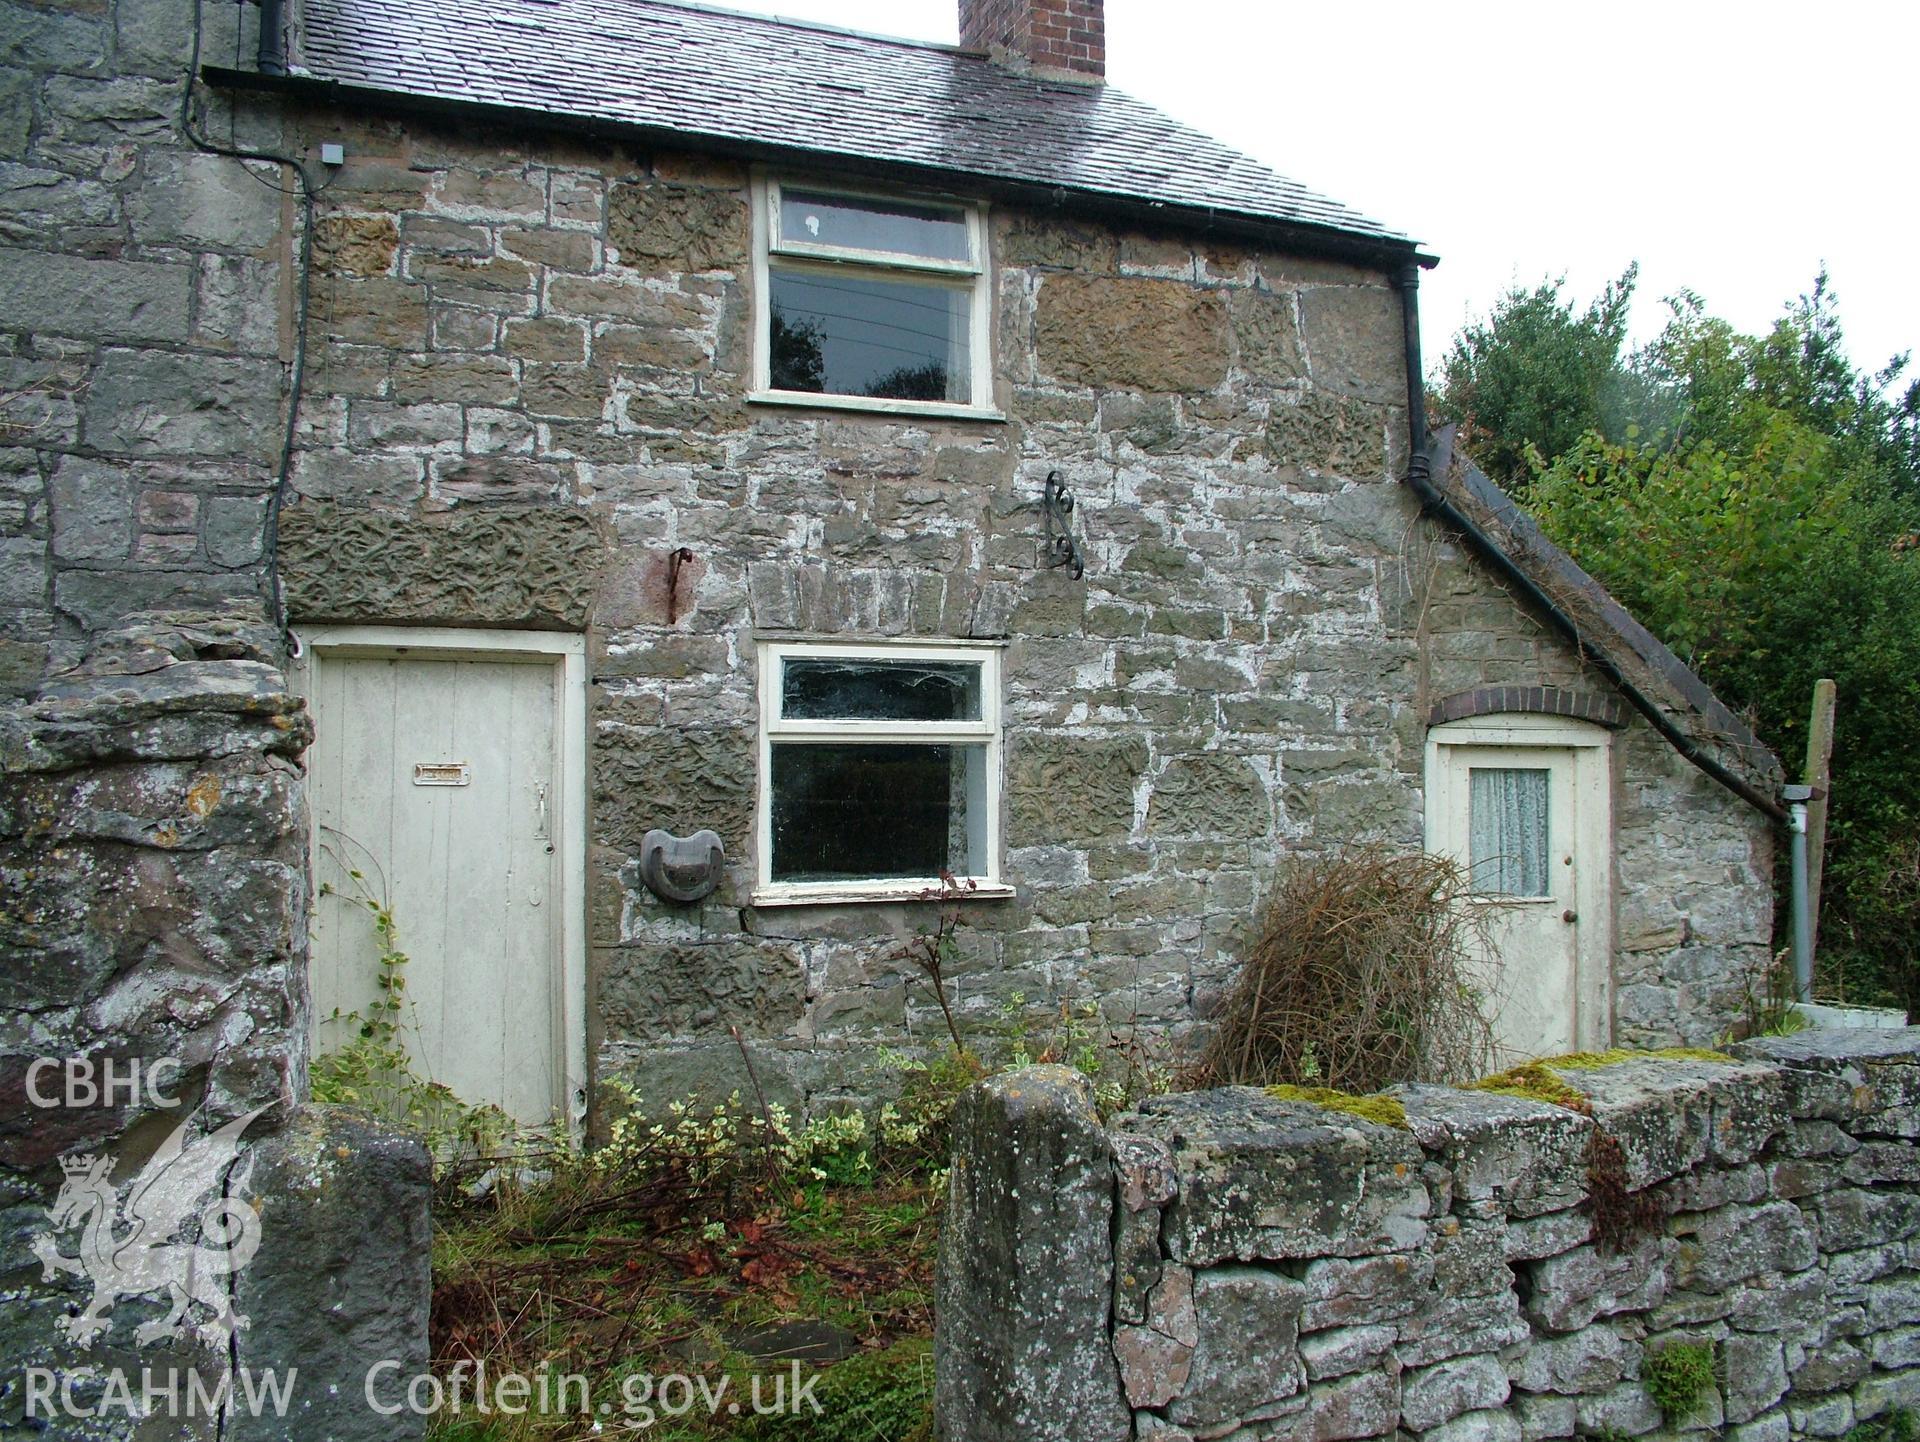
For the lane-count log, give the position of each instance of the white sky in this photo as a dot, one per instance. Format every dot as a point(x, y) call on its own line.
point(1729, 148)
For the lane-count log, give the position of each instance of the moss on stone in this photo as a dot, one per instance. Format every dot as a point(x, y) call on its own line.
point(1540, 1081)
point(1678, 1376)
point(1382, 1110)
point(1586, 1060)
point(1534, 1081)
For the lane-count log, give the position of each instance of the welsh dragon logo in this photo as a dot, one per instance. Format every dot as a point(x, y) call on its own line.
point(129, 1242)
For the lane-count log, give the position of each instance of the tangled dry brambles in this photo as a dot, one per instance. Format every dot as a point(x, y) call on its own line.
point(1359, 976)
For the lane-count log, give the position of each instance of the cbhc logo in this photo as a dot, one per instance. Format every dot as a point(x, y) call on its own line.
point(84, 1082)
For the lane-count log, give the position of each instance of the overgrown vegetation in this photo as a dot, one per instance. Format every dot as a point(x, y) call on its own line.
point(722, 1241)
point(1755, 500)
point(1768, 1006)
point(881, 1395)
point(728, 1241)
point(1678, 1378)
point(1359, 975)
point(374, 1069)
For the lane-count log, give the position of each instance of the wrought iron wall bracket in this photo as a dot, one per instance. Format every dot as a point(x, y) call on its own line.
point(1056, 502)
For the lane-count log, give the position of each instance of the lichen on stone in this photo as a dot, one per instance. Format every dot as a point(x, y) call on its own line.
point(1382, 1110)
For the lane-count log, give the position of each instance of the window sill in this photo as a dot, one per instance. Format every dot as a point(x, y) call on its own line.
point(852, 893)
point(937, 410)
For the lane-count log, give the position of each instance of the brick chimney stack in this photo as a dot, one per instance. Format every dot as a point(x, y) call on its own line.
point(1053, 39)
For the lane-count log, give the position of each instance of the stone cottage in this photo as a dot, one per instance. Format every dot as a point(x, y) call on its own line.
point(647, 491)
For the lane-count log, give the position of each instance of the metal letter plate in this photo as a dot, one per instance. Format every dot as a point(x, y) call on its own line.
point(441, 773)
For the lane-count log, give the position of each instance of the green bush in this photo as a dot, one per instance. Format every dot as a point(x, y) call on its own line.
point(1755, 500)
point(1766, 572)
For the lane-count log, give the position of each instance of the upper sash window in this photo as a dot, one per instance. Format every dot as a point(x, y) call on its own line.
point(871, 302)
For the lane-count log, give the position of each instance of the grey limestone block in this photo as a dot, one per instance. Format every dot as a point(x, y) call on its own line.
point(343, 1279)
point(1025, 1280)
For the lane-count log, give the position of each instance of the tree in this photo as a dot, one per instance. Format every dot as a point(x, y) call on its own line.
point(1537, 375)
point(926, 382)
point(796, 358)
point(1723, 384)
point(1758, 510)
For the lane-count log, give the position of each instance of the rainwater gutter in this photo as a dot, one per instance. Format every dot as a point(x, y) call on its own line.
point(273, 39)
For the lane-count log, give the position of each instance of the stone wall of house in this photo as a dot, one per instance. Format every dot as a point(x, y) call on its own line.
point(1226, 1265)
point(152, 814)
point(142, 301)
point(527, 408)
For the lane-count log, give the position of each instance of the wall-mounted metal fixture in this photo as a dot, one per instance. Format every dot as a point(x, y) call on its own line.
point(1061, 548)
point(681, 869)
point(678, 557)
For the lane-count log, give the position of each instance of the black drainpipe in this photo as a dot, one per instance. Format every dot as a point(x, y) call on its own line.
point(273, 40)
point(1434, 502)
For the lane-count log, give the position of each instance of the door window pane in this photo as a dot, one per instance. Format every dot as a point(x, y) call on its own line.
point(851, 335)
point(1507, 828)
point(869, 690)
point(877, 811)
point(928, 232)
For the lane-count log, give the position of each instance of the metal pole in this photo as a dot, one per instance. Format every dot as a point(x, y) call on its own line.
point(1797, 798)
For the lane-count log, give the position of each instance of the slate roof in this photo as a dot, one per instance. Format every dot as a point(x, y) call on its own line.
point(748, 82)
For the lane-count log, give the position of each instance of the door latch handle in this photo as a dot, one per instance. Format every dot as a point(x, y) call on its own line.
point(540, 821)
point(1569, 917)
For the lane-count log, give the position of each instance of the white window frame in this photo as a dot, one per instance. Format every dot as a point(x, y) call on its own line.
point(770, 249)
point(774, 727)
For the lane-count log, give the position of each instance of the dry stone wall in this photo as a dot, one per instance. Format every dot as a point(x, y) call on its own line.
point(153, 836)
point(1227, 1265)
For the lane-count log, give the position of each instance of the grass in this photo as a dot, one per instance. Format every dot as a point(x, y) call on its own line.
point(1895, 1426)
point(711, 1248)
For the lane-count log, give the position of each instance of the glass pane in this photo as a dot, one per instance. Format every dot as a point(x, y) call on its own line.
point(871, 812)
point(929, 231)
point(1507, 828)
point(864, 690)
point(848, 335)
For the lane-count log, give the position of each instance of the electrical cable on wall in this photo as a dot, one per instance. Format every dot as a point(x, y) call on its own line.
point(270, 529)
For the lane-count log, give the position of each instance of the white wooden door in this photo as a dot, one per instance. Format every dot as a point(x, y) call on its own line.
point(1529, 823)
point(437, 775)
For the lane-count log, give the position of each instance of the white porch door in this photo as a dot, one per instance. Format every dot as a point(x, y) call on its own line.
point(1530, 823)
point(438, 774)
